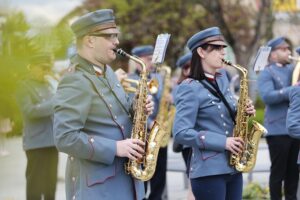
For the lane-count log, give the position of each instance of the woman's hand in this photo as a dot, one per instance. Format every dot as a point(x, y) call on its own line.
point(234, 144)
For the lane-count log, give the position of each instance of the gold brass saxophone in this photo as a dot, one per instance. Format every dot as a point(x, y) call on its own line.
point(142, 169)
point(296, 72)
point(166, 112)
point(245, 160)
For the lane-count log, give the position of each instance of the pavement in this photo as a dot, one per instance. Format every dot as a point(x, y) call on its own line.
point(13, 164)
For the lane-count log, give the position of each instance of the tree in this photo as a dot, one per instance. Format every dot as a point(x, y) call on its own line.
point(245, 24)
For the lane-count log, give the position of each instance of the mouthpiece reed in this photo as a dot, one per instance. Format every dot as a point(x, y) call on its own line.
point(227, 62)
point(121, 52)
point(294, 58)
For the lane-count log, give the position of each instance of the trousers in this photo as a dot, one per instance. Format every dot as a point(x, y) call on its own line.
point(41, 173)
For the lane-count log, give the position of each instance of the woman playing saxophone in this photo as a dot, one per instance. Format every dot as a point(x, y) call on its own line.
point(205, 118)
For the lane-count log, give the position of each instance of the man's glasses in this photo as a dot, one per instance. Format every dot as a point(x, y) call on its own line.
point(283, 48)
point(108, 36)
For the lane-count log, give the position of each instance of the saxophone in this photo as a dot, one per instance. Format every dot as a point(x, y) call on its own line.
point(166, 112)
point(296, 72)
point(144, 168)
point(245, 160)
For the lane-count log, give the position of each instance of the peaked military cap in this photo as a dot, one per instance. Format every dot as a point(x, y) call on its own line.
point(183, 60)
point(94, 21)
point(277, 42)
point(144, 50)
point(211, 35)
point(41, 59)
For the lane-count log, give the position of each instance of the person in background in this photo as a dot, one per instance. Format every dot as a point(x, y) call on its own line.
point(184, 64)
point(35, 99)
point(274, 85)
point(158, 181)
point(204, 120)
point(293, 115)
point(93, 116)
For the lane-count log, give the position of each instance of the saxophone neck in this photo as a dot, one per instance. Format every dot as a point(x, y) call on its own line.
point(243, 70)
point(167, 70)
point(134, 58)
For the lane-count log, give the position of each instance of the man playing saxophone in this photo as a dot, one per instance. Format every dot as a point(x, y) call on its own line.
point(93, 117)
point(274, 87)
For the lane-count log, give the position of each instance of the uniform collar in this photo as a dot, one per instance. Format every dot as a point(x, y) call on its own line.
point(82, 63)
point(212, 77)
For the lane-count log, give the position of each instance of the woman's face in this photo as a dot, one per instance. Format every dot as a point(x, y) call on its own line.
point(212, 57)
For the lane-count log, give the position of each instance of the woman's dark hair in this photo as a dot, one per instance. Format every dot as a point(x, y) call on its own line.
point(197, 71)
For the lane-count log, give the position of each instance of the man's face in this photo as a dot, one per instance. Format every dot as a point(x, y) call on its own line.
point(104, 43)
point(282, 54)
point(147, 60)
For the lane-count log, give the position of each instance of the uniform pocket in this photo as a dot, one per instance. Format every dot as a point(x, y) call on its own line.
point(97, 173)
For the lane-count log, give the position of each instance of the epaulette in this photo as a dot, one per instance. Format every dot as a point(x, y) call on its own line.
point(187, 80)
point(71, 69)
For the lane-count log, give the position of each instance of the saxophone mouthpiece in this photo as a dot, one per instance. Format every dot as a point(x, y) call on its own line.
point(227, 62)
point(120, 52)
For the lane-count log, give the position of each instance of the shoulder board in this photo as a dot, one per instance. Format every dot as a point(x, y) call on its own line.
point(188, 80)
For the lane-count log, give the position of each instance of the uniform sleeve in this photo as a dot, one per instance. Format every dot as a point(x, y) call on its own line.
point(71, 109)
point(31, 109)
point(187, 105)
point(267, 90)
point(293, 115)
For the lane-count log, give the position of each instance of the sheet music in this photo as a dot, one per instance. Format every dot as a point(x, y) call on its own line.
point(161, 45)
point(261, 59)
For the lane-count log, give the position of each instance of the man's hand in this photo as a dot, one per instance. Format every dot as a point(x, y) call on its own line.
point(121, 74)
point(149, 105)
point(130, 148)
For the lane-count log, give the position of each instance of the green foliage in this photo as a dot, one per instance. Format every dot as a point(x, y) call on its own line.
point(253, 191)
point(14, 39)
point(142, 21)
point(11, 70)
point(259, 115)
point(53, 39)
point(19, 42)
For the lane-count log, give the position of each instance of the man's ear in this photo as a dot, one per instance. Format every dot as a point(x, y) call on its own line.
point(273, 56)
point(89, 41)
point(200, 52)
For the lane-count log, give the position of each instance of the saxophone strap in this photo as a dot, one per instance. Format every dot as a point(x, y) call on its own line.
point(217, 93)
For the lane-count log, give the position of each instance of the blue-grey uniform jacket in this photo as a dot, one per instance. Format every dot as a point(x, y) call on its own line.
point(293, 115)
point(203, 122)
point(36, 104)
point(274, 87)
point(93, 112)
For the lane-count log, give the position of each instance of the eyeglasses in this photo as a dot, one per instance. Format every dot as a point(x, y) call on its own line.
point(108, 36)
point(283, 48)
point(217, 47)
